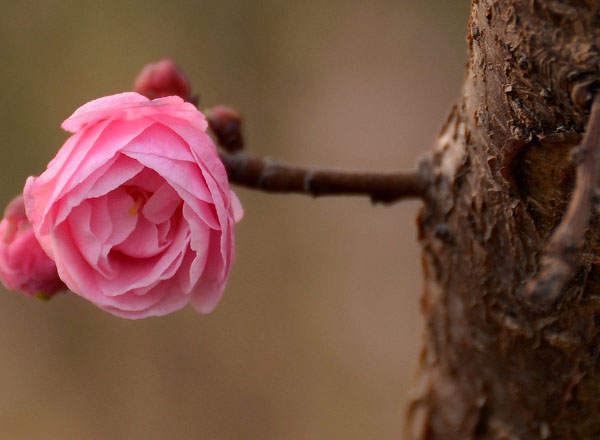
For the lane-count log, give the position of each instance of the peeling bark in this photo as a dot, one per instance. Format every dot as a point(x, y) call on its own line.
point(493, 365)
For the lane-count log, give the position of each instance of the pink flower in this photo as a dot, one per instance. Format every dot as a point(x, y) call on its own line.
point(24, 266)
point(135, 209)
point(161, 79)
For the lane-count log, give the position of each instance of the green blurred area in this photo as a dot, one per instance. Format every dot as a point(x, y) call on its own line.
point(318, 332)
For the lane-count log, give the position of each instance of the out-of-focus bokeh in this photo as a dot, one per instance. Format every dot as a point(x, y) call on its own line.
point(318, 334)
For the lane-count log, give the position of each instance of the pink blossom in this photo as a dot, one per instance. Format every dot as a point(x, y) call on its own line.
point(24, 266)
point(135, 209)
point(161, 79)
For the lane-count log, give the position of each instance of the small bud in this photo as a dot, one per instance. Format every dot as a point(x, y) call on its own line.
point(160, 79)
point(226, 124)
point(24, 266)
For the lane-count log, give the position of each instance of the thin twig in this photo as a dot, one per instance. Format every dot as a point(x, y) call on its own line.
point(560, 256)
point(269, 175)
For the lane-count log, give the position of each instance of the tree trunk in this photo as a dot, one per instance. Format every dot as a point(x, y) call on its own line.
point(493, 365)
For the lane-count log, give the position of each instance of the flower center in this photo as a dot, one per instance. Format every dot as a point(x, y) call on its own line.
point(139, 196)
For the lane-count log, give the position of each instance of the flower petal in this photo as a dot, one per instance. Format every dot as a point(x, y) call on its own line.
point(101, 108)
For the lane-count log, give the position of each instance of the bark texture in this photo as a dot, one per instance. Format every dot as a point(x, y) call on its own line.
point(495, 366)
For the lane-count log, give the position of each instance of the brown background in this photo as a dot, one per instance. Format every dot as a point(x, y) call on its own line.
point(318, 332)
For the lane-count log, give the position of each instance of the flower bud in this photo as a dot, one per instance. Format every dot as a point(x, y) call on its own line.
point(226, 124)
point(24, 266)
point(160, 79)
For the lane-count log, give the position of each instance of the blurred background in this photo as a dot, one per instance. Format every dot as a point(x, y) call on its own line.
point(318, 333)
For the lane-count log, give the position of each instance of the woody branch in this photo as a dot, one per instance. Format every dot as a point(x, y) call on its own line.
point(273, 176)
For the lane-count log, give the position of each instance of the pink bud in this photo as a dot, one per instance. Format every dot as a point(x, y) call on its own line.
point(226, 124)
point(161, 79)
point(24, 266)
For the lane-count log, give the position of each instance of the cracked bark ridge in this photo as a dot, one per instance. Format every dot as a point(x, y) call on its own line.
point(560, 256)
point(492, 366)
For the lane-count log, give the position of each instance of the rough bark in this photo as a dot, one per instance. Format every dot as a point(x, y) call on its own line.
point(495, 366)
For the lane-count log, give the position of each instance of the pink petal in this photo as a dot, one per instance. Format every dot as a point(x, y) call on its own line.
point(122, 170)
point(160, 141)
point(205, 210)
point(207, 292)
point(111, 224)
point(83, 237)
point(216, 179)
point(72, 268)
point(38, 191)
point(212, 291)
point(187, 115)
point(101, 108)
point(170, 299)
point(134, 273)
point(118, 204)
point(129, 106)
point(202, 147)
point(85, 161)
point(114, 173)
point(58, 211)
point(199, 243)
point(176, 172)
point(71, 263)
point(114, 137)
point(70, 148)
point(143, 241)
point(147, 180)
point(236, 207)
point(162, 204)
